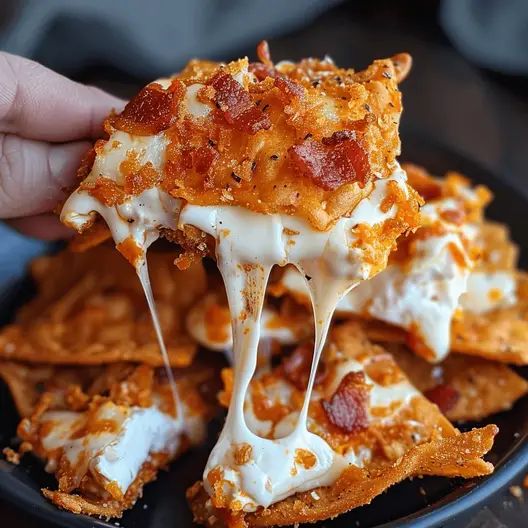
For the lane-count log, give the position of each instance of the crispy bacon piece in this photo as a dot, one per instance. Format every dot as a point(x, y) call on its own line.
point(288, 89)
point(204, 157)
point(265, 67)
point(151, 110)
point(261, 71)
point(236, 105)
point(297, 366)
point(332, 162)
point(263, 53)
point(347, 409)
point(445, 396)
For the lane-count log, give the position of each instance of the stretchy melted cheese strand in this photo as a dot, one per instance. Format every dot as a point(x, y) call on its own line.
point(422, 293)
point(345, 202)
point(331, 268)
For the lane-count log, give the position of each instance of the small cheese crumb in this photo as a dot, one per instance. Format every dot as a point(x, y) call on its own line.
point(516, 491)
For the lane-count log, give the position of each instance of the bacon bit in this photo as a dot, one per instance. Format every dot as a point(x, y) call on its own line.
point(203, 158)
point(130, 250)
point(106, 191)
point(347, 409)
point(261, 71)
point(336, 160)
point(242, 453)
point(151, 110)
point(297, 366)
point(454, 216)
point(263, 53)
point(445, 396)
point(305, 458)
point(288, 89)
point(236, 105)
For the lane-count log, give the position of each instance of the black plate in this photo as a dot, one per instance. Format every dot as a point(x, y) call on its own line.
point(423, 503)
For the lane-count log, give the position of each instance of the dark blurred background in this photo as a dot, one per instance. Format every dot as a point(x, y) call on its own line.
point(467, 90)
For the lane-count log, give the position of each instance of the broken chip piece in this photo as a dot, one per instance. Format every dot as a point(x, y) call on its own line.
point(90, 310)
point(378, 428)
point(104, 444)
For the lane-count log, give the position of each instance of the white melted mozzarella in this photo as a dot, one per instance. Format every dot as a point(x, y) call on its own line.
point(488, 291)
point(118, 454)
point(248, 245)
point(421, 295)
point(284, 431)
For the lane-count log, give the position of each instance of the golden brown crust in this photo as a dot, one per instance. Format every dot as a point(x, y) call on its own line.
point(500, 335)
point(481, 387)
point(241, 154)
point(39, 389)
point(91, 310)
point(109, 508)
point(438, 449)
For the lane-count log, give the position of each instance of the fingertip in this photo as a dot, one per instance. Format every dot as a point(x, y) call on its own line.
point(43, 227)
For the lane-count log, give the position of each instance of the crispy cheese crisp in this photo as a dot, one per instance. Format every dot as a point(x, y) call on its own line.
point(90, 310)
point(106, 431)
point(368, 412)
point(302, 138)
point(464, 388)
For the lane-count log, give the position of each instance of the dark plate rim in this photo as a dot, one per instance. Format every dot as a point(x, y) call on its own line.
point(462, 499)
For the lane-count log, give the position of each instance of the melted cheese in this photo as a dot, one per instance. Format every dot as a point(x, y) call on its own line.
point(117, 454)
point(248, 245)
point(488, 291)
point(420, 295)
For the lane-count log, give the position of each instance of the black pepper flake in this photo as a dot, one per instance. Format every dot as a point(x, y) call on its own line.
point(308, 136)
point(236, 177)
point(308, 278)
point(387, 75)
point(211, 143)
point(257, 103)
point(367, 107)
point(130, 220)
point(253, 165)
point(265, 107)
point(316, 83)
point(274, 157)
point(338, 79)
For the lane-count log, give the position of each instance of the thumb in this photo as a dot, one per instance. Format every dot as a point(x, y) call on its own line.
point(33, 174)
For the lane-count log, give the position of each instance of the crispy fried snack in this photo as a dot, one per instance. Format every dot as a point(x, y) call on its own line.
point(464, 388)
point(499, 335)
point(491, 320)
point(301, 138)
point(399, 432)
point(90, 310)
point(106, 431)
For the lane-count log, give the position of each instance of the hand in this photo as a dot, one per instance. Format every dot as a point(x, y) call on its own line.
point(46, 121)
